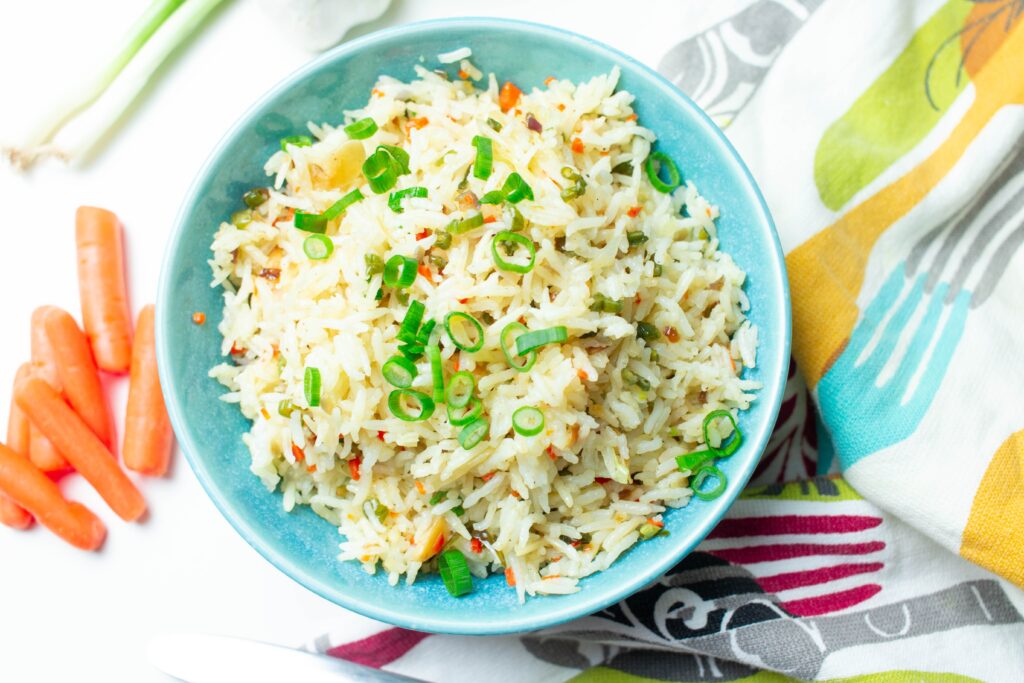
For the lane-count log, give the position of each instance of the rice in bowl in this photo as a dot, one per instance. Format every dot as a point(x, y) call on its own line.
point(611, 252)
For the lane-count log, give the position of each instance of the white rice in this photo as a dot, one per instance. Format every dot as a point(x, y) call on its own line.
point(551, 508)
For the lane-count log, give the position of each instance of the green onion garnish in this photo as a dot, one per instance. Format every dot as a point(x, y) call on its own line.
point(460, 389)
point(255, 197)
point(518, 222)
point(647, 331)
point(455, 573)
point(399, 371)
point(442, 240)
point(311, 386)
point(374, 264)
point(361, 129)
point(458, 510)
point(436, 372)
point(463, 416)
point(515, 189)
point(726, 449)
point(648, 531)
point(318, 247)
point(494, 124)
point(399, 155)
point(297, 141)
point(397, 407)
point(474, 432)
point(623, 168)
point(528, 421)
point(484, 157)
point(635, 237)
point(241, 218)
point(317, 222)
point(462, 341)
point(285, 408)
point(400, 271)
point(457, 227)
point(507, 342)
point(658, 270)
point(493, 197)
point(603, 304)
point(513, 239)
point(395, 200)
point(533, 340)
point(381, 171)
point(691, 461)
point(438, 497)
point(374, 507)
point(666, 163)
point(423, 336)
point(410, 327)
point(412, 350)
point(701, 475)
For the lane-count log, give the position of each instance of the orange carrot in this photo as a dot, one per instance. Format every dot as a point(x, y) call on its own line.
point(148, 437)
point(12, 514)
point(78, 374)
point(41, 452)
point(577, 146)
point(79, 445)
point(509, 96)
point(39, 495)
point(102, 289)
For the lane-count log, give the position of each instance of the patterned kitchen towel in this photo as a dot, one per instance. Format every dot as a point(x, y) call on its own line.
point(887, 138)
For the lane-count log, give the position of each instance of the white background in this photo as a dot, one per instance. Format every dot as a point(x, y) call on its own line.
point(69, 615)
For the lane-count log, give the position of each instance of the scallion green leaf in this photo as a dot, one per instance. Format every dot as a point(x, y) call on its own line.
point(515, 189)
point(701, 475)
point(664, 163)
point(317, 222)
point(528, 421)
point(361, 129)
point(534, 339)
point(510, 238)
point(296, 141)
point(459, 339)
point(395, 200)
point(318, 247)
point(724, 450)
point(400, 271)
point(396, 403)
point(399, 371)
point(455, 573)
point(467, 413)
point(460, 389)
point(436, 372)
point(311, 386)
point(473, 433)
point(508, 339)
point(484, 157)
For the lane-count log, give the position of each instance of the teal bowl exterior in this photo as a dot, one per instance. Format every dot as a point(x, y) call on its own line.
point(304, 546)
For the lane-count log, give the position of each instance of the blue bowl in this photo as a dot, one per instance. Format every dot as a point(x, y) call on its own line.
point(304, 546)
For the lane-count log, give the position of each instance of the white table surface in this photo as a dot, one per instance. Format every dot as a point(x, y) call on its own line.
point(69, 615)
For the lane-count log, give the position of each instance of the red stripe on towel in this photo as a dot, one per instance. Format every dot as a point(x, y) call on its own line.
point(833, 602)
point(793, 524)
point(379, 649)
point(786, 551)
point(811, 577)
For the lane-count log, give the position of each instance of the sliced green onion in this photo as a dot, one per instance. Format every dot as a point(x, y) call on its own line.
point(402, 296)
point(399, 155)
point(528, 421)
point(457, 227)
point(399, 371)
point(241, 218)
point(635, 237)
point(296, 141)
point(513, 238)
point(518, 222)
point(459, 340)
point(726, 449)
point(379, 295)
point(647, 331)
point(423, 336)
point(395, 200)
point(317, 222)
point(410, 326)
point(515, 189)
point(484, 157)
point(381, 171)
point(376, 509)
point(495, 125)
point(460, 389)
point(630, 377)
point(255, 197)
point(412, 350)
point(361, 129)
point(474, 432)
point(533, 340)
point(658, 270)
point(443, 240)
point(436, 372)
point(463, 416)
point(458, 510)
point(665, 163)
point(318, 247)
point(311, 386)
point(400, 271)
point(397, 407)
point(623, 168)
point(691, 461)
point(507, 342)
point(493, 197)
point(701, 475)
point(374, 264)
point(285, 408)
point(438, 497)
point(649, 531)
point(455, 573)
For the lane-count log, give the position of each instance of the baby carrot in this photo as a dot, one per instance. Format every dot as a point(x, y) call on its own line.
point(148, 437)
point(32, 489)
point(101, 286)
point(78, 444)
point(12, 514)
point(41, 452)
point(78, 374)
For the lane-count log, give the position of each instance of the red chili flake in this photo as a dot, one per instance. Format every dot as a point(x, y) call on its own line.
point(235, 351)
point(602, 480)
point(637, 300)
point(476, 546)
point(551, 453)
point(311, 468)
point(419, 123)
point(455, 363)
point(632, 117)
point(463, 75)
point(424, 270)
point(510, 576)
point(439, 544)
point(577, 146)
point(199, 317)
point(634, 211)
point(575, 544)
point(423, 234)
point(488, 476)
point(582, 374)
point(353, 467)
point(297, 452)
point(462, 301)
point(656, 523)
point(381, 434)
point(490, 219)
